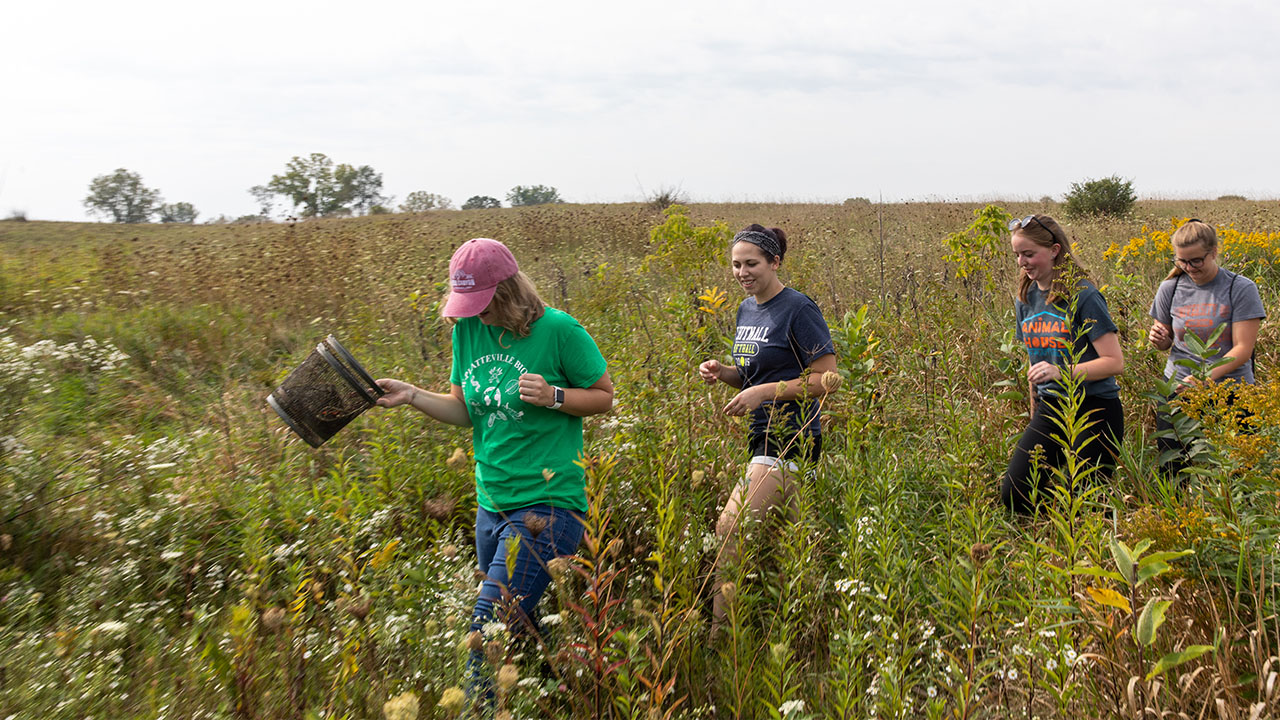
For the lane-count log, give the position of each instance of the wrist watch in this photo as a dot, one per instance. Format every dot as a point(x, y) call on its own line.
point(557, 395)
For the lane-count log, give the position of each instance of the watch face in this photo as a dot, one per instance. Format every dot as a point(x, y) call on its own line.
point(559, 395)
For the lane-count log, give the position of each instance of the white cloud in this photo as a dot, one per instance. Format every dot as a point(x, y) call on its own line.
point(731, 100)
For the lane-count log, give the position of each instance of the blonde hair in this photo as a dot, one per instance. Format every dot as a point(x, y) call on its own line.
point(1192, 232)
point(1045, 232)
point(515, 305)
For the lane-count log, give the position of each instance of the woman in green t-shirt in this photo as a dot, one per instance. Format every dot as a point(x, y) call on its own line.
point(524, 375)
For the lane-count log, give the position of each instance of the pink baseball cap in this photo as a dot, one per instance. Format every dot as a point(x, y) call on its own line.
point(474, 273)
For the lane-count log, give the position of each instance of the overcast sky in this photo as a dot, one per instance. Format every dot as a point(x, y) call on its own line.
point(743, 100)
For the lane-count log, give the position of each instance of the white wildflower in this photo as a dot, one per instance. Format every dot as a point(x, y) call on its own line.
point(791, 706)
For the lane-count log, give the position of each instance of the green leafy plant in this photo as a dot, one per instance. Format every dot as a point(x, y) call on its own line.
point(973, 252)
point(1112, 196)
point(1133, 570)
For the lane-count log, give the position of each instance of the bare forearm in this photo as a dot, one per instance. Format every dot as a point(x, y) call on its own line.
point(1098, 368)
point(581, 402)
point(441, 406)
point(806, 387)
point(730, 376)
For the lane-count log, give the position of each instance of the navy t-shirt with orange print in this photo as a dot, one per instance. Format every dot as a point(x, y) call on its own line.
point(1047, 333)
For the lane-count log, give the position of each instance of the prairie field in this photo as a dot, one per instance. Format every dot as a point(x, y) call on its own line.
point(168, 549)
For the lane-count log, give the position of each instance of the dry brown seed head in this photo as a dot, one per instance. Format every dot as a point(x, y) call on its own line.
point(535, 523)
point(440, 507)
point(495, 652)
point(273, 619)
point(558, 568)
point(729, 592)
point(458, 460)
point(452, 700)
point(980, 553)
point(475, 641)
point(831, 380)
point(359, 607)
point(508, 675)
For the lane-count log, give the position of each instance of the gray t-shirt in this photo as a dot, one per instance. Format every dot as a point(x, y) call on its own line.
point(1048, 334)
point(1184, 305)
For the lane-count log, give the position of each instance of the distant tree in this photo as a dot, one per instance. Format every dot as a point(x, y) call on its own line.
point(265, 197)
point(359, 188)
point(322, 189)
point(181, 212)
point(533, 195)
point(1105, 196)
point(480, 202)
point(122, 197)
point(422, 201)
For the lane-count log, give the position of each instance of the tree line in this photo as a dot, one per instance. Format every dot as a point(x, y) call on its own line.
point(310, 186)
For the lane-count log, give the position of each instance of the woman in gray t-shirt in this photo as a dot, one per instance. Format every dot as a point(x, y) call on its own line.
point(1199, 296)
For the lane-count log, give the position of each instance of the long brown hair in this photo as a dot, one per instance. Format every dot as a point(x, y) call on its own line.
point(1045, 231)
point(515, 304)
point(1192, 232)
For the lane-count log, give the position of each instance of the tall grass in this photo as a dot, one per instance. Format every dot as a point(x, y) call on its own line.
point(169, 550)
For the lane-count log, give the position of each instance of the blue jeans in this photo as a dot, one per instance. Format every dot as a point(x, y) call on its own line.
point(518, 594)
point(528, 578)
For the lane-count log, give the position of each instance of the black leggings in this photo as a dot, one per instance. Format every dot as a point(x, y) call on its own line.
point(1097, 445)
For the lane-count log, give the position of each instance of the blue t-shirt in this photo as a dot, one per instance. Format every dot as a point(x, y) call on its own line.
point(1046, 333)
point(777, 341)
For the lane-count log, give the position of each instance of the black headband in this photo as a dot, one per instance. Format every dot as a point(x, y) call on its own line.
point(765, 241)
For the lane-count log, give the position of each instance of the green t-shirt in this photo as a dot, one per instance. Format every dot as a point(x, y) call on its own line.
point(515, 442)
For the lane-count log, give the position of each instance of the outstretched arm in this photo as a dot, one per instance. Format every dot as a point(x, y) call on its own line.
point(447, 408)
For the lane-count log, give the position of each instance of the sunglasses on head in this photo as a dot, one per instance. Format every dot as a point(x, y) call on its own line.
point(1019, 224)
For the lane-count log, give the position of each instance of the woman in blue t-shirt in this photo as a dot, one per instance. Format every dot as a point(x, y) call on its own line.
point(781, 351)
point(1199, 296)
point(1063, 322)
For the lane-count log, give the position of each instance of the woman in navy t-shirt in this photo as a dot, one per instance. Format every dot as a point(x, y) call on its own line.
point(781, 350)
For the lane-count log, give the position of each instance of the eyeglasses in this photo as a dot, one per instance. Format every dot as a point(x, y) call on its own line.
point(1190, 262)
point(1017, 224)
